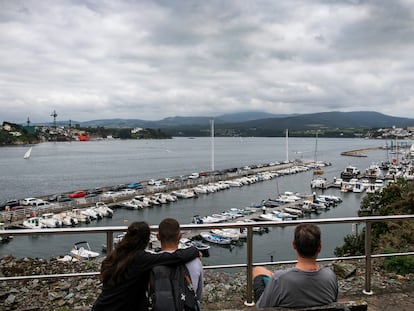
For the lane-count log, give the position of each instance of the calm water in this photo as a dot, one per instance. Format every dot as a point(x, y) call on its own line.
point(62, 167)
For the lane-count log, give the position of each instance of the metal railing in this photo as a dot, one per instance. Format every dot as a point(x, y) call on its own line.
point(249, 250)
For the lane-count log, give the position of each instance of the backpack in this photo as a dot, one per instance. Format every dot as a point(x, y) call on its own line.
point(171, 289)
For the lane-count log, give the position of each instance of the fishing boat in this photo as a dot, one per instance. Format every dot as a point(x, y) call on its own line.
point(82, 250)
point(28, 153)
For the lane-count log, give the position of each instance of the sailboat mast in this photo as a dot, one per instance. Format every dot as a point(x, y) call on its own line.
point(316, 149)
point(212, 144)
point(287, 145)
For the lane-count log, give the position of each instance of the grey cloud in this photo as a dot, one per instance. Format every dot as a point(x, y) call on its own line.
point(154, 59)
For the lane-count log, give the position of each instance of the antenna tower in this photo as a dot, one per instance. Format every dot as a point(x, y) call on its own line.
point(54, 115)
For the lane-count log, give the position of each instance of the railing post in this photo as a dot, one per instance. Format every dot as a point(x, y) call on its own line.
point(109, 241)
point(249, 269)
point(367, 290)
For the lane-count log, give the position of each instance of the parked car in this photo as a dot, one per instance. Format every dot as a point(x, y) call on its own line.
point(135, 185)
point(9, 204)
point(77, 194)
point(29, 201)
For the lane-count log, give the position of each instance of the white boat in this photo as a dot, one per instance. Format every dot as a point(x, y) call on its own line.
point(373, 171)
point(350, 172)
point(67, 219)
point(48, 220)
point(293, 211)
point(206, 219)
point(102, 208)
point(257, 229)
point(92, 213)
point(270, 217)
point(133, 204)
point(145, 202)
point(186, 242)
point(319, 182)
point(82, 250)
point(184, 193)
point(77, 213)
point(28, 153)
point(358, 188)
point(213, 238)
point(33, 223)
point(227, 233)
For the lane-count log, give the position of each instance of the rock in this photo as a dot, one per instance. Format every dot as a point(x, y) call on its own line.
point(344, 270)
point(11, 299)
point(221, 290)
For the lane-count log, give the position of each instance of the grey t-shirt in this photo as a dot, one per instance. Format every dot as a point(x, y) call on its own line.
point(295, 288)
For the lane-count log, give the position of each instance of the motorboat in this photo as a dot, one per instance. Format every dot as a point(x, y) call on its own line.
point(350, 172)
point(358, 188)
point(197, 219)
point(81, 217)
point(186, 242)
point(373, 171)
point(92, 213)
point(132, 204)
point(82, 250)
point(184, 193)
point(67, 219)
point(270, 217)
point(102, 208)
point(48, 220)
point(227, 233)
point(293, 211)
point(33, 223)
point(256, 229)
point(319, 182)
point(216, 239)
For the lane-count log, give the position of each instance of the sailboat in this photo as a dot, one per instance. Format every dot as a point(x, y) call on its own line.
point(27, 154)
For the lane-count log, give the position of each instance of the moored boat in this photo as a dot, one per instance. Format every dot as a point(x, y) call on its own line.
point(82, 250)
point(226, 233)
point(216, 239)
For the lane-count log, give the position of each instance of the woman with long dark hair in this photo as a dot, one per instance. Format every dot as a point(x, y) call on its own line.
point(125, 271)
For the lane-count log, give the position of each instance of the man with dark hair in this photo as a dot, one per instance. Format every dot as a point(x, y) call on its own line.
point(169, 234)
point(305, 285)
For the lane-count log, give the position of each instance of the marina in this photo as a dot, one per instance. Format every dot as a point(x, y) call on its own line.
point(186, 160)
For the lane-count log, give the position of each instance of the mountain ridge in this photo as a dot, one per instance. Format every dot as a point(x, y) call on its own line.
point(255, 123)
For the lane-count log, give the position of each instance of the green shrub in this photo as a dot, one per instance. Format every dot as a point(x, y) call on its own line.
point(399, 264)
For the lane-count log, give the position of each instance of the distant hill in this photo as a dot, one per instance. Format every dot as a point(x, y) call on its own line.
point(255, 123)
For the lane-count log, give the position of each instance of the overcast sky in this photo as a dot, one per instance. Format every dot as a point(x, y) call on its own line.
point(149, 60)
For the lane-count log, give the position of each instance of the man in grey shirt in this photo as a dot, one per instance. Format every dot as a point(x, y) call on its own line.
point(305, 285)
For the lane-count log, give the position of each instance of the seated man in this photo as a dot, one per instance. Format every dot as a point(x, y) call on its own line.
point(305, 285)
point(169, 235)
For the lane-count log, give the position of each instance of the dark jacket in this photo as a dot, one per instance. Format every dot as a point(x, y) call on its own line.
point(131, 293)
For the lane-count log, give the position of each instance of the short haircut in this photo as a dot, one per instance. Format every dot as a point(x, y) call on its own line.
point(307, 240)
point(169, 230)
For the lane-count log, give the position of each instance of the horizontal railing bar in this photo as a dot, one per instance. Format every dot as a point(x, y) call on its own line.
point(49, 276)
point(284, 223)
